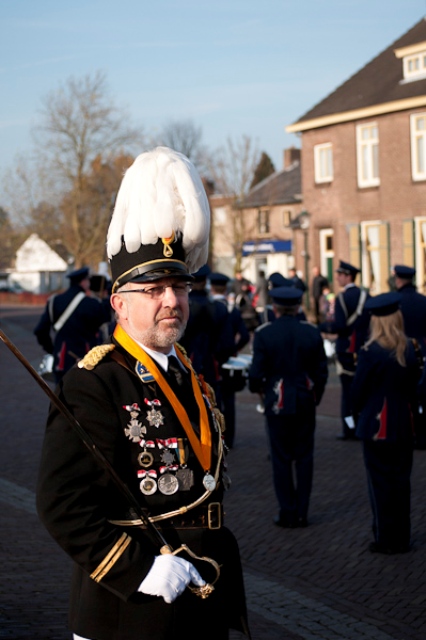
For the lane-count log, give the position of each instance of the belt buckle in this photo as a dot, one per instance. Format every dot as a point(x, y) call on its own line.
point(214, 512)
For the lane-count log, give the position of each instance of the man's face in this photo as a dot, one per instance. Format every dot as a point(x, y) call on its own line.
point(343, 279)
point(155, 322)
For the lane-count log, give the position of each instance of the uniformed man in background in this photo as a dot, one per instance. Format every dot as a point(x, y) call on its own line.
point(289, 370)
point(241, 337)
point(351, 326)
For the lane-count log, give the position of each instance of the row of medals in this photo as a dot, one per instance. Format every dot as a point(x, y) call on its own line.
point(168, 483)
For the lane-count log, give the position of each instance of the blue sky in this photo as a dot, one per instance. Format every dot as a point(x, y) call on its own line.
point(233, 67)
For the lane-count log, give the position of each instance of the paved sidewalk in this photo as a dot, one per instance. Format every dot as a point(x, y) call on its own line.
point(318, 582)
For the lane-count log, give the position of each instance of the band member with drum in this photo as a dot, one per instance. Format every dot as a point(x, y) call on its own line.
point(156, 423)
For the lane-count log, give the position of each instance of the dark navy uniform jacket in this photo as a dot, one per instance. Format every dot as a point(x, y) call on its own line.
point(349, 338)
point(413, 309)
point(86, 514)
point(289, 365)
point(79, 333)
point(208, 338)
point(384, 394)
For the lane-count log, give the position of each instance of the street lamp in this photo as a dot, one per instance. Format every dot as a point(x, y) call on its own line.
point(303, 222)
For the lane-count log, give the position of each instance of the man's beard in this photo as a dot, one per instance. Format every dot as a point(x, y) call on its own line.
point(157, 337)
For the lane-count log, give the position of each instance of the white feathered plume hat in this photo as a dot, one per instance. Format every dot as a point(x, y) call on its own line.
point(161, 221)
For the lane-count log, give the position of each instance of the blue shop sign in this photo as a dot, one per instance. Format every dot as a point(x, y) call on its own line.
point(267, 246)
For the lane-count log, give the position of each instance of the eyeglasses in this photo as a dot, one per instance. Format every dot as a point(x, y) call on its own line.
point(180, 290)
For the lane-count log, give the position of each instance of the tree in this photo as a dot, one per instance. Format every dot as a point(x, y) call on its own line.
point(80, 126)
point(232, 174)
point(184, 136)
point(264, 169)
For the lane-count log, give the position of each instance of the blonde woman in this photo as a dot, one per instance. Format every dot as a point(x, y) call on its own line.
point(384, 398)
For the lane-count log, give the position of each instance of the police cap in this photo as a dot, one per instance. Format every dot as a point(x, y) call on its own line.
point(286, 295)
point(383, 304)
point(218, 278)
point(402, 271)
point(78, 275)
point(347, 269)
point(278, 280)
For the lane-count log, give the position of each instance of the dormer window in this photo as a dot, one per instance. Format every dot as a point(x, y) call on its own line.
point(413, 62)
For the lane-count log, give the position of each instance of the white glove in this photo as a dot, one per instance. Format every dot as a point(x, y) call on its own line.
point(169, 576)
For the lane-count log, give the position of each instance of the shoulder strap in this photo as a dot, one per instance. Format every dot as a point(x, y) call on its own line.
point(69, 310)
point(360, 306)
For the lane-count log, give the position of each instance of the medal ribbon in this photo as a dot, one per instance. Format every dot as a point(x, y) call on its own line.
point(203, 446)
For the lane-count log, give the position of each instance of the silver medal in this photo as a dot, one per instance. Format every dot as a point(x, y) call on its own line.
point(168, 484)
point(148, 486)
point(155, 418)
point(209, 482)
point(135, 430)
point(167, 457)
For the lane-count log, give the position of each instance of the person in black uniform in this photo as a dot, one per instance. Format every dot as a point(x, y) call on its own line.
point(384, 400)
point(413, 309)
point(351, 326)
point(75, 319)
point(276, 279)
point(241, 337)
point(208, 338)
point(157, 425)
point(289, 369)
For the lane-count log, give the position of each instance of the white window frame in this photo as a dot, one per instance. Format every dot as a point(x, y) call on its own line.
point(325, 253)
point(414, 66)
point(372, 275)
point(323, 162)
point(368, 155)
point(420, 252)
point(418, 146)
point(263, 222)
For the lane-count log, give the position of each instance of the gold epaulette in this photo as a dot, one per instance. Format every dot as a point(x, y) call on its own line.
point(95, 355)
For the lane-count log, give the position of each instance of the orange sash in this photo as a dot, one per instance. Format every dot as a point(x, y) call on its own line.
point(202, 446)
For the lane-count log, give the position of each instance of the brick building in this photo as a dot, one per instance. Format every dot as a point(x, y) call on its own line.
point(364, 167)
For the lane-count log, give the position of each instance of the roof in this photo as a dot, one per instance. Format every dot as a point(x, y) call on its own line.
point(281, 187)
point(378, 83)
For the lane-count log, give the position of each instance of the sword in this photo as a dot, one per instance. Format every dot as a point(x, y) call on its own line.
point(138, 511)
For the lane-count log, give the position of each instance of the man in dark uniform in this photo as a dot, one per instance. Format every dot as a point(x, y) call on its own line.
point(241, 337)
point(75, 318)
point(289, 369)
point(413, 304)
point(413, 309)
point(276, 279)
point(156, 423)
point(208, 338)
point(351, 326)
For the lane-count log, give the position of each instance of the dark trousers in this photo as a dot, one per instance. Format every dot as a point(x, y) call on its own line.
point(388, 466)
point(292, 457)
point(345, 404)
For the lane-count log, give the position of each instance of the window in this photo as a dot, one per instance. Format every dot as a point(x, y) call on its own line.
point(286, 218)
point(263, 221)
point(375, 256)
point(413, 62)
point(418, 146)
point(326, 253)
point(367, 137)
point(420, 253)
point(323, 162)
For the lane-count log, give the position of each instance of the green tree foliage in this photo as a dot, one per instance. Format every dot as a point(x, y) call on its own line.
point(264, 169)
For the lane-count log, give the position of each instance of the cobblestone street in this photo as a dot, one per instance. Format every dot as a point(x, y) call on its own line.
point(318, 582)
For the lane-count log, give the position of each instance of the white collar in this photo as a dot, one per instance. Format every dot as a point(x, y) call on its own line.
point(160, 358)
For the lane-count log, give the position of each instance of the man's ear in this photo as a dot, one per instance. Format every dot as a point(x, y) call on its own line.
point(119, 304)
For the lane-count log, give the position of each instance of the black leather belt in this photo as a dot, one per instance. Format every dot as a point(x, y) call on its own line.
point(208, 516)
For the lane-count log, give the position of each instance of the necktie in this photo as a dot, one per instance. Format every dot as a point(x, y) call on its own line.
point(175, 370)
point(181, 382)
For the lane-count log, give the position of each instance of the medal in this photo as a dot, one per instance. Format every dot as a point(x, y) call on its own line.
point(155, 418)
point(209, 482)
point(148, 484)
point(186, 478)
point(168, 484)
point(134, 429)
point(167, 456)
point(145, 459)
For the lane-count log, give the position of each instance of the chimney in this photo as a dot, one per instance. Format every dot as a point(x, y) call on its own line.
point(291, 156)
